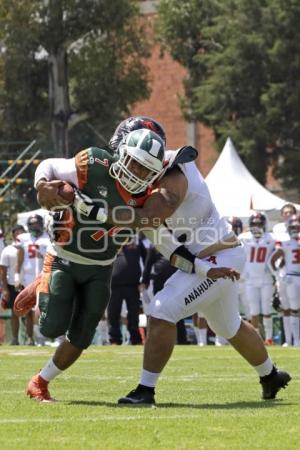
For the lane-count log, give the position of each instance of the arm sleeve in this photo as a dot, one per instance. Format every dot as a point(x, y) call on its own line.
point(57, 169)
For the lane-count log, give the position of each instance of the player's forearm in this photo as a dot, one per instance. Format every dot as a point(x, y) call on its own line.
point(56, 169)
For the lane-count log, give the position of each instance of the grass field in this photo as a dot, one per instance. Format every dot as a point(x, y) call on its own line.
point(207, 398)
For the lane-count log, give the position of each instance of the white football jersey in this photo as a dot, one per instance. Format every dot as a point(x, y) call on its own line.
point(258, 253)
point(291, 251)
point(197, 217)
point(8, 259)
point(280, 232)
point(35, 249)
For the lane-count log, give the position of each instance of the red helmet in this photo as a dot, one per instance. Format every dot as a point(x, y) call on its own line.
point(135, 123)
point(293, 226)
point(237, 224)
point(257, 224)
point(35, 224)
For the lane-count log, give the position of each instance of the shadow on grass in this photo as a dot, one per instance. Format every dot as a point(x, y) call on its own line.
point(210, 406)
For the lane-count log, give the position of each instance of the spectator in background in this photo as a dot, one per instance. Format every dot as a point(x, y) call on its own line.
point(126, 277)
point(30, 257)
point(159, 270)
point(281, 235)
point(7, 278)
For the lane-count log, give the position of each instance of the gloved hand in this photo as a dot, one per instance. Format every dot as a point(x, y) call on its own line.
point(85, 206)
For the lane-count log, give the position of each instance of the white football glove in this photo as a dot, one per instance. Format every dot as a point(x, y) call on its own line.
point(85, 206)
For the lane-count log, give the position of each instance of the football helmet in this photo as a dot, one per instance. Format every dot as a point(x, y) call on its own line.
point(293, 226)
point(257, 224)
point(237, 225)
point(135, 123)
point(35, 224)
point(146, 148)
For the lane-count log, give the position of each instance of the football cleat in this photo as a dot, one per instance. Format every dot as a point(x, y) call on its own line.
point(38, 389)
point(26, 299)
point(272, 383)
point(268, 342)
point(142, 395)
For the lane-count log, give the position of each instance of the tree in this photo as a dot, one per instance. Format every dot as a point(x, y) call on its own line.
point(232, 50)
point(80, 56)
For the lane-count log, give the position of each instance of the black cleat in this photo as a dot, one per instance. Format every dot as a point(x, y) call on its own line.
point(272, 383)
point(142, 395)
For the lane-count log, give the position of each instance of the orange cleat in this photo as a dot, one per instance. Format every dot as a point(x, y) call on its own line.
point(26, 299)
point(38, 389)
point(268, 342)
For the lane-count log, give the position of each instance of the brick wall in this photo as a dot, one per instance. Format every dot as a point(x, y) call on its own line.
point(166, 82)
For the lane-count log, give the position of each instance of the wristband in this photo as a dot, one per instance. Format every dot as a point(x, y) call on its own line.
point(17, 278)
point(183, 259)
point(201, 267)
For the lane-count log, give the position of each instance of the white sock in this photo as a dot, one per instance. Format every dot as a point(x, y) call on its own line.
point(197, 333)
point(103, 331)
point(268, 326)
point(265, 368)
point(295, 324)
point(149, 378)
point(287, 329)
point(202, 336)
point(50, 371)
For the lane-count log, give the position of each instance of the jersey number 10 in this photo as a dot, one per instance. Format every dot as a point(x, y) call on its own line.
point(258, 254)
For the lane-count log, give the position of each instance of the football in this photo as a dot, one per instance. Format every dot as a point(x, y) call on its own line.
point(66, 192)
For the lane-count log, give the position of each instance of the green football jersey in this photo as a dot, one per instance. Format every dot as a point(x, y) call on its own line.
point(85, 238)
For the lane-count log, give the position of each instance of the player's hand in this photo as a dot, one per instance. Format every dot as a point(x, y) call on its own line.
point(48, 196)
point(223, 272)
point(18, 286)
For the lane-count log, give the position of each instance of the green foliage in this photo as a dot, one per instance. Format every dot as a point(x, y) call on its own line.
point(243, 74)
point(104, 43)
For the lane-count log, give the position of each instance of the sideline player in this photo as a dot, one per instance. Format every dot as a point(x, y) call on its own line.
point(290, 252)
point(281, 235)
point(259, 246)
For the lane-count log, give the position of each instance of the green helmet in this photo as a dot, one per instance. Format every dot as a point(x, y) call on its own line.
point(144, 147)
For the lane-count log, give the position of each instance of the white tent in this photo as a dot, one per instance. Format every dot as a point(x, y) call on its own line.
point(234, 190)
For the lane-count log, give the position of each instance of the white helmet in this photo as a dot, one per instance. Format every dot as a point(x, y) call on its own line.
point(145, 147)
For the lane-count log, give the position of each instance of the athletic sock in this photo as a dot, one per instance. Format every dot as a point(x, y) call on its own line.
point(268, 326)
point(295, 323)
point(197, 333)
point(265, 368)
point(202, 336)
point(50, 371)
point(287, 329)
point(149, 379)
